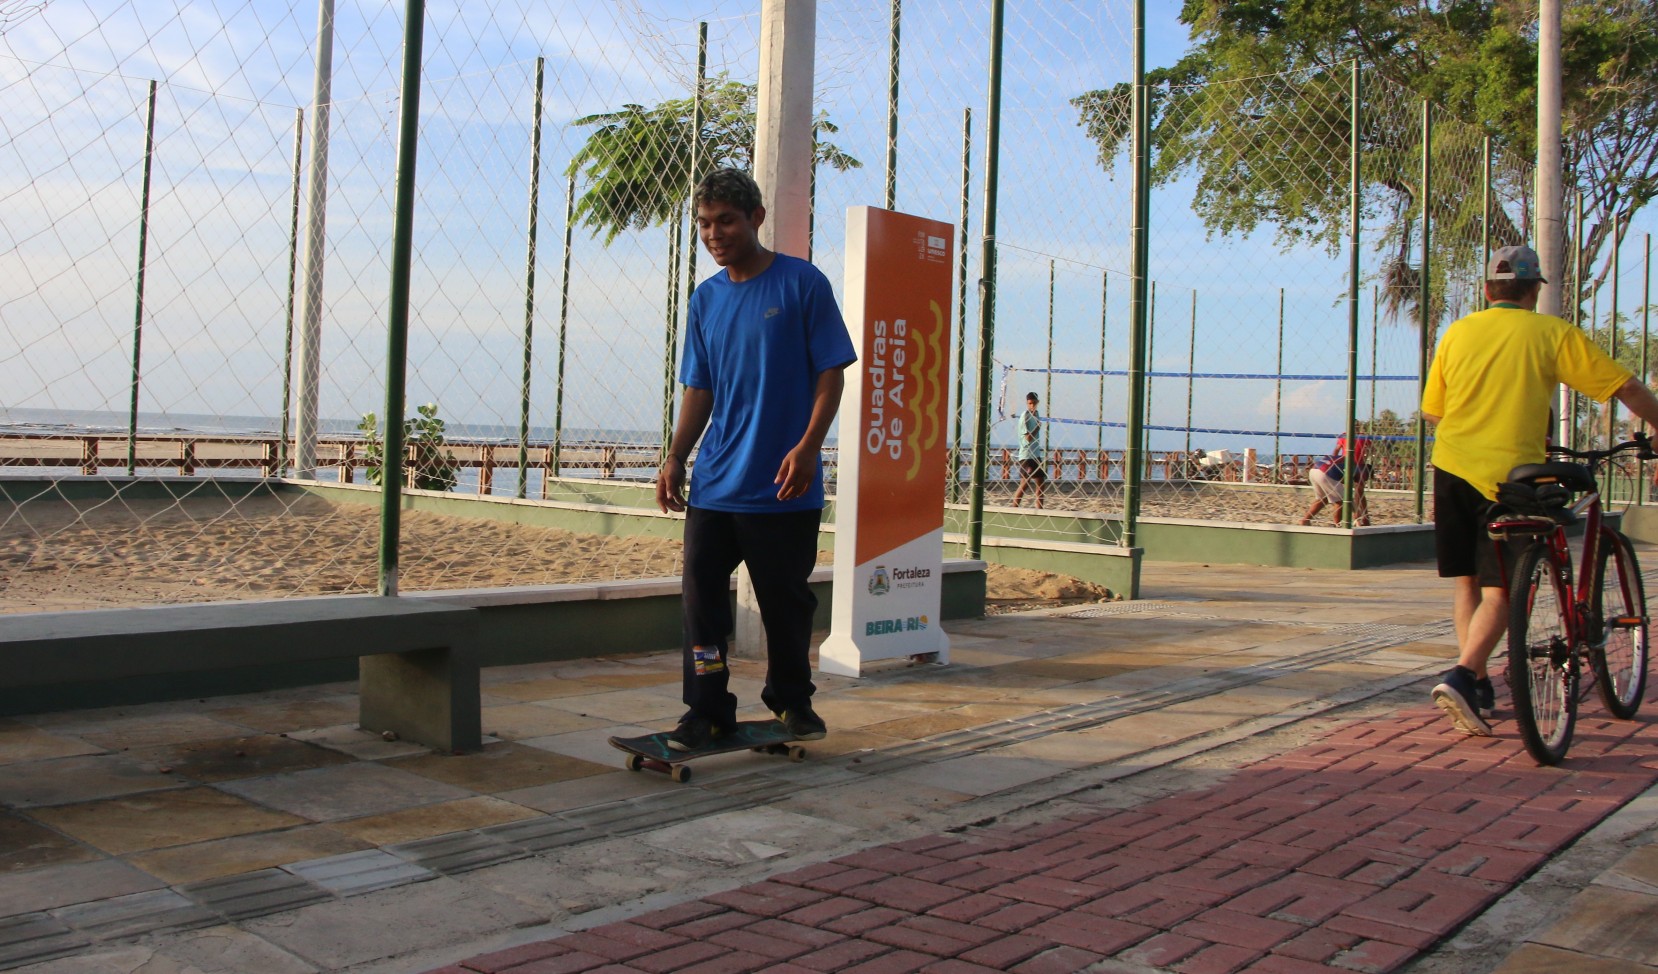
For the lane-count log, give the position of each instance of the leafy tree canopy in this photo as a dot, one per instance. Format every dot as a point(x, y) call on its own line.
point(637, 163)
point(1257, 112)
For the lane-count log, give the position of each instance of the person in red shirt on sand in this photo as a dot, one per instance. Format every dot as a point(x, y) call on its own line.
point(1326, 476)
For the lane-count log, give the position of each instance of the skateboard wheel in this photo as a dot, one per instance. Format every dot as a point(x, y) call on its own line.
point(797, 754)
point(633, 762)
point(680, 773)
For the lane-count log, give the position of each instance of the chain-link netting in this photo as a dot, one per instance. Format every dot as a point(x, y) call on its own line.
point(198, 254)
point(161, 207)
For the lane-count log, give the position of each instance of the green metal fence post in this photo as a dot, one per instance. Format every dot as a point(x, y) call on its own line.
point(1278, 390)
point(138, 289)
point(1646, 336)
point(670, 353)
point(1577, 301)
point(961, 300)
point(1099, 428)
point(1048, 389)
point(987, 287)
point(699, 117)
point(1485, 214)
point(288, 318)
point(397, 304)
point(1191, 366)
point(1612, 342)
point(1355, 202)
point(1375, 348)
point(534, 226)
point(554, 461)
point(1424, 341)
point(1139, 276)
point(1151, 352)
point(1589, 406)
point(670, 336)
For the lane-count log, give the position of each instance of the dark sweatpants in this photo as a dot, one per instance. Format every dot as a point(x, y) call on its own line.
point(780, 550)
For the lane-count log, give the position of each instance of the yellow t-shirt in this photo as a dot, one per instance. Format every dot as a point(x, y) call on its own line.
point(1492, 381)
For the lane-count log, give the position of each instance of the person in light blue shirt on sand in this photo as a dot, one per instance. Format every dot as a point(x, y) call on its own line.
point(1030, 451)
point(765, 348)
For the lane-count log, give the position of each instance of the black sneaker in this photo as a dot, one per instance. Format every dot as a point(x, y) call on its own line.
point(803, 723)
point(1457, 696)
point(694, 734)
point(1485, 697)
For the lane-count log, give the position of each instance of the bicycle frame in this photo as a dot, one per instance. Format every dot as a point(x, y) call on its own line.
point(1552, 534)
point(1589, 512)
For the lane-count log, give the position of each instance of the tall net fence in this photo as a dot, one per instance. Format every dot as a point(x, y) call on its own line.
point(193, 306)
point(166, 234)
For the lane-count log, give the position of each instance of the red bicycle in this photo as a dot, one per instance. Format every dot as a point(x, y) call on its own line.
point(1553, 625)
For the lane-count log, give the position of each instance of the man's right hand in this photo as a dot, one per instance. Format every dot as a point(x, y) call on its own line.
point(670, 485)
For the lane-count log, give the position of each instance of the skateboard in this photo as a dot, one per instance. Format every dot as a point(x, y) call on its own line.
point(652, 750)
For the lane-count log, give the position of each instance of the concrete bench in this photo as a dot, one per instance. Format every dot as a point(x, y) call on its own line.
point(418, 661)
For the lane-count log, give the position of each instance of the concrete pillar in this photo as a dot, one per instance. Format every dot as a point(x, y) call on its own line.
point(783, 129)
point(783, 168)
point(1550, 188)
point(316, 241)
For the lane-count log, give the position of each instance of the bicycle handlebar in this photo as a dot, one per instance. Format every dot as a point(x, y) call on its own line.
point(1641, 445)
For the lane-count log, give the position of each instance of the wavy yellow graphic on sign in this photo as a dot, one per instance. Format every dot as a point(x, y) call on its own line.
point(926, 390)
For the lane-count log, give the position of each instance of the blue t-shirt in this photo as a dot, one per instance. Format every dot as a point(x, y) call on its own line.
point(759, 346)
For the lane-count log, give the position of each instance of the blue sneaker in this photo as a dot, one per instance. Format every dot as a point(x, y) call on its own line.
point(1458, 696)
point(1485, 697)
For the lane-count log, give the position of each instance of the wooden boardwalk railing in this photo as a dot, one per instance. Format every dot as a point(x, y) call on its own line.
point(92, 454)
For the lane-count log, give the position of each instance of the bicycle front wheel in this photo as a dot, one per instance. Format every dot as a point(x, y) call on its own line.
point(1619, 653)
point(1541, 672)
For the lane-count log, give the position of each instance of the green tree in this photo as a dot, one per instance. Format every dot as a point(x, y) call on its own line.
point(1256, 112)
point(1392, 447)
point(637, 162)
point(430, 466)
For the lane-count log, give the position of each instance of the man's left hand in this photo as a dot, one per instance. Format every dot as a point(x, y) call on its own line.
point(795, 475)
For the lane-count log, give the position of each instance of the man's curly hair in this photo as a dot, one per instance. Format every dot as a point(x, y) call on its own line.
point(729, 186)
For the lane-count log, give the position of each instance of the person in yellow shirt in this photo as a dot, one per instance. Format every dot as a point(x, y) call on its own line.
point(1488, 391)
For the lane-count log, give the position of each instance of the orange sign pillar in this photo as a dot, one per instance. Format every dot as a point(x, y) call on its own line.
point(893, 456)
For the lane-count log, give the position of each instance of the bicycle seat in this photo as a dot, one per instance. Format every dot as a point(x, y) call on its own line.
point(1573, 476)
point(1524, 502)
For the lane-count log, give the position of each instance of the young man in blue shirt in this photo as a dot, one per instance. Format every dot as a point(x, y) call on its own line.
point(765, 347)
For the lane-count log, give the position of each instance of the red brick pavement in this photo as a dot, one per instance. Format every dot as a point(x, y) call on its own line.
point(1353, 854)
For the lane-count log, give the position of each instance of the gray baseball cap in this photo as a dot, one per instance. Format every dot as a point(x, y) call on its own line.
point(1514, 264)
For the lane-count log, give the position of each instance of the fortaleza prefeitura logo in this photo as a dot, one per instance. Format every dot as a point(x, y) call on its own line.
point(883, 581)
point(886, 627)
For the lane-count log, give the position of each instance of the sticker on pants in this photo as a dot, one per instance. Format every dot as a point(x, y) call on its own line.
point(707, 660)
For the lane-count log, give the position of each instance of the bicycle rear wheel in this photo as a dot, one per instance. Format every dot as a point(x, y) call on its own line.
point(1620, 651)
point(1542, 674)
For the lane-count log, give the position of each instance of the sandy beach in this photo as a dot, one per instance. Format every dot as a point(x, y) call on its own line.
point(59, 555)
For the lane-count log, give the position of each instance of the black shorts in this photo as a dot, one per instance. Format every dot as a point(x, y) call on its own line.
point(1463, 547)
point(1032, 469)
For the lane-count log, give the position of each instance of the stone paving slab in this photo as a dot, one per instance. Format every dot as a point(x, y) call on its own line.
point(544, 831)
point(1355, 853)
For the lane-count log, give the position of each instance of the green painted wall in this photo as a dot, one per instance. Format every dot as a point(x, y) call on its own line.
point(509, 635)
point(1641, 523)
point(19, 490)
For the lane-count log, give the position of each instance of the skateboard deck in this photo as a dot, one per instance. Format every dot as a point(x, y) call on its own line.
point(652, 750)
